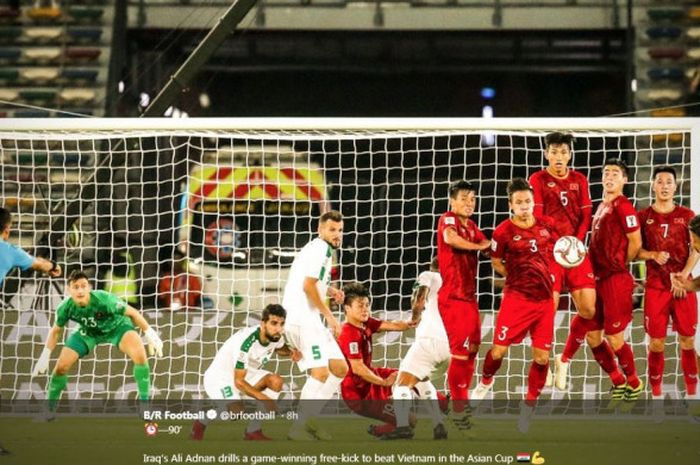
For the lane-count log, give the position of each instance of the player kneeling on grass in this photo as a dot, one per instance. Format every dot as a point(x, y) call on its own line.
point(102, 318)
point(237, 370)
point(366, 390)
point(521, 250)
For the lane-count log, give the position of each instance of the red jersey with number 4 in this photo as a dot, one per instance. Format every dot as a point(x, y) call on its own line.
point(565, 200)
point(356, 343)
point(611, 224)
point(665, 232)
point(458, 268)
point(528, 257)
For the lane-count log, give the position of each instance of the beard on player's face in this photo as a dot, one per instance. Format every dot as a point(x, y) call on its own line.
point(332, 232)
point(273, 331)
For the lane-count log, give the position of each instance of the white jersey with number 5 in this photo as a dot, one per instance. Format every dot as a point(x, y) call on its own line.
point(431, 325)
point(314, 260)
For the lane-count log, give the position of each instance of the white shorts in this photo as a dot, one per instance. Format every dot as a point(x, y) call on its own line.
point(220, 386)
point(424, 355)
point(315, 342)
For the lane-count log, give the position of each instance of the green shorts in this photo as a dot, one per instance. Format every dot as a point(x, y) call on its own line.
point(83, 344)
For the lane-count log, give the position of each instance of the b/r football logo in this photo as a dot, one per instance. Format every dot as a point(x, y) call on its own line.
point(151, 429)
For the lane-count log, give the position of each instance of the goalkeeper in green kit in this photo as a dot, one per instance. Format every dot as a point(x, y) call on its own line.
point(103, 318)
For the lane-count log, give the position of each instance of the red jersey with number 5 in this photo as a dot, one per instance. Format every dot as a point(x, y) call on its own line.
point(665, 232)
point(458, 268)
point(356, 343)
point(565, 200)
point(528, 257)
point(611, 224)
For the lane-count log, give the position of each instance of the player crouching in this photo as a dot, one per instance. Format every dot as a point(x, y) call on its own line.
point(102, 318)
point(237, 370)
point(365, 389)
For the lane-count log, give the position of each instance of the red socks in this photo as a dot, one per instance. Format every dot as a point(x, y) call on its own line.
point(459, 375)
point(626, 358)
point(605, 357)
point(535, 381)
point(491, 366)
point(577, 336)
point(690, 370)
point(656, 372)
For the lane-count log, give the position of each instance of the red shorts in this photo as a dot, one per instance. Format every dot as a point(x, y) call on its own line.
point(518, 316)
point(373, 402)
point(613, 305)
point(573, 279)
point(462, 324)
point(659, 305)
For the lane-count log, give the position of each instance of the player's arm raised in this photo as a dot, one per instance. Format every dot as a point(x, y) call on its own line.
point(360, 369)
point(312, 294)
point(155, 344)
point(453, 239)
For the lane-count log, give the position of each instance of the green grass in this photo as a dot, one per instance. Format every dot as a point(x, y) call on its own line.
point(77, 441)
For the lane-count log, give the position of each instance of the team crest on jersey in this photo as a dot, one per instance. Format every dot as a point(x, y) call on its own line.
point(517, 238)
point(354, 348)
point(650, 221)
point(679, 220)
point(100, 315)
point(551, 184)
point(544, 233)
point(450, 220)
point(573, 187)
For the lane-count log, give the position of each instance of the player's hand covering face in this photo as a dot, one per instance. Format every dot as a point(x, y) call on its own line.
point(359, 309)
point(79, 291)
point(332, 232)
point(274, 328)
point(613, 179)
point(463, 204)
point(522, 203)
point(664, 186)
point(558, 156)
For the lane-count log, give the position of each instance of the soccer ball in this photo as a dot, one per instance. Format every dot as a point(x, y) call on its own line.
point(569, 251)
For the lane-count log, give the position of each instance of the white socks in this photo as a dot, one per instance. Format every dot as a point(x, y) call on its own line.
point(426, 391)
point(402, 405)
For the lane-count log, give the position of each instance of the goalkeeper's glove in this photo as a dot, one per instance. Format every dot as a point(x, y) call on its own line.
point(43, 363)
point(155, 345)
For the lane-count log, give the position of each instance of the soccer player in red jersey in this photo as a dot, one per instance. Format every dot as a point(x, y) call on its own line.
point(562, 194)
point(666, 248)
point(365, 389)
point(521, 251)
point(459, 241)
point(615, 240)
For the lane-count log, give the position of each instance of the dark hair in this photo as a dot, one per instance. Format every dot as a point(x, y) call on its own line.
point(664, 169)
point(354, 291)
point(76, 275)
point(333, 215)
point(558, 138)
point(273, 309)
point(694, 225)
point(434, 265)
point(5, 218)
point(518, 185)
point(619, 163)
point(460, 186)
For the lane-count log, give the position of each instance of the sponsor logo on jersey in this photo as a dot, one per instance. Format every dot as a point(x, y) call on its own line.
point(631, 221)
point(551, 184)
point(655, 376)
point(354, 348)
point(544, 233)
point(517, 238)
point(616, 324)
point(650, 221)
point(450, 220)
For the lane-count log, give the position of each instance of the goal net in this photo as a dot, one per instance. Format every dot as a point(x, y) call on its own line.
point(196, 222)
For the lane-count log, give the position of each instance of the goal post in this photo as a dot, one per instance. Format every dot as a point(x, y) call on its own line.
point(196, 221)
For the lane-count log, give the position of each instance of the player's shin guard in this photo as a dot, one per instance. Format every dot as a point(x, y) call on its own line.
point(142, 375)
point(626, 358)
point(457, 376)
point(535, 381)
point(605, 357)
point(427, 391)
point(656, 371)
point(690, 370)
point(56, 386)
point(577, 336)
point(491, 367)
point(402, 404)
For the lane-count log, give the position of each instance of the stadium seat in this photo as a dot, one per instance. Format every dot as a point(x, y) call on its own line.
point(3, 114)
point(39, 75)
point(79, 75)
point(9, 95)
point(10, 54)
point(85, 13)
point(79, 111)
point(694, 13)
point(32, 113)
point(77, 96)
point(67, 159)
point(29, 158)
point(42, 34)
point(693, 33)
point(693, 53)
point(8, 14)
point(668, 112)
point(38, 95)
point(9, 74)
point(83, 54)
point(671, 53)
point(42, 55)
point(664, 94)
point(665, 14)
point(10, 34)
point(84, 34)
point(664, 32)
point(672, 74)
point(45, 14)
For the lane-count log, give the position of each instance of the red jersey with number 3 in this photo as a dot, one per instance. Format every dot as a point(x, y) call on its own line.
point(565, 200)
point(665, 232)
point(356, 343)
point(458, 268)
point(611, 224)
point(528, 257)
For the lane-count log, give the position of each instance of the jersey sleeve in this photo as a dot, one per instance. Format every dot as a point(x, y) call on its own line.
point(537, 193)
point(21, 259)
point(373, 324)
point(316, 259)
point(448, 220)
point(62, 314)
point(628, 216)
point(498, 242)
point(244, 352)
point(350, 343)
point(586, 209)
point(424, 279)
point(479, 235)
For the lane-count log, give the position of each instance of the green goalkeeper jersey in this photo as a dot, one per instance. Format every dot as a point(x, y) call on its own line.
point(102, 315)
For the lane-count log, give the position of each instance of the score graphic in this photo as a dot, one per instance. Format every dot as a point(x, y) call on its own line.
point(222, 238)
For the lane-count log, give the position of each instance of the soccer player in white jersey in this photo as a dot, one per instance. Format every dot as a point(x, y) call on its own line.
point(305, 294)
point(428, 350)
point(237, 369)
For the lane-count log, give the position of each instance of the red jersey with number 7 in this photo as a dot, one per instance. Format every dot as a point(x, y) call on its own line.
point(608, 248)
